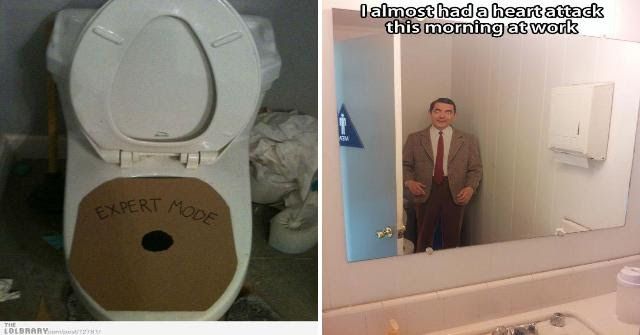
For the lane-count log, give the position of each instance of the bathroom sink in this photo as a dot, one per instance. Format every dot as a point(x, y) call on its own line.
point(555, 324)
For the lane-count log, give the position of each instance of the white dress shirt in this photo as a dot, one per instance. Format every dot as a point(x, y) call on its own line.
point(447, 133)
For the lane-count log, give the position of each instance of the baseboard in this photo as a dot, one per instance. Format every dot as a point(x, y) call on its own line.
point(33, 146)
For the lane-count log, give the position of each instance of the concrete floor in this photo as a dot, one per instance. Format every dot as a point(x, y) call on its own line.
point(285, 286)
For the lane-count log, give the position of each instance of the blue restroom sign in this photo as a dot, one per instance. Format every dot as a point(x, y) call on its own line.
point(347, 133)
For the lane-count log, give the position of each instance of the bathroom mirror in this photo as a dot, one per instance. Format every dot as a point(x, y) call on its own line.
point(512, 94)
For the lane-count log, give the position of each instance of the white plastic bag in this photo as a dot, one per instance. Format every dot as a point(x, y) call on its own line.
point(284, 157)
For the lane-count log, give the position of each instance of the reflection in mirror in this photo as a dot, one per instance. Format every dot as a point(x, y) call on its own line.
point(553, 118)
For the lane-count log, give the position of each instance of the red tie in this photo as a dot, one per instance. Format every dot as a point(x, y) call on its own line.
point(439, 172)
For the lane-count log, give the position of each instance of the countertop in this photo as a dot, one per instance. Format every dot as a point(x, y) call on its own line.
point(598, 312)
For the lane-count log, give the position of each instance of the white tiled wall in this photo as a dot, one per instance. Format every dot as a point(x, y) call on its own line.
point(423, 313)
point(526, 193)
point(426, 76)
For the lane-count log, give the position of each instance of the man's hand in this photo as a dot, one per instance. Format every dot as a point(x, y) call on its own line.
point(463, 197)
point(416, 188)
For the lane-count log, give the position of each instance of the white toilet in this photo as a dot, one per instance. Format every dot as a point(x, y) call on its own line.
point(161, 89)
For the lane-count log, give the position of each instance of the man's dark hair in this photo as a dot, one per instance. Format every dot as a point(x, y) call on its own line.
point(444, 101)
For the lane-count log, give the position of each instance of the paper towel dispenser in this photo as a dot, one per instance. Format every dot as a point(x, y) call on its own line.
point(579, 119)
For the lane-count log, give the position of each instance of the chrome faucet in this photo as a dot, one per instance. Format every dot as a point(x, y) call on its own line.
point(502, 330)
point(557, 320)
point(526, 329)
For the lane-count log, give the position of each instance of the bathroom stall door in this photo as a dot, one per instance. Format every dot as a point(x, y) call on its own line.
point(365, 85)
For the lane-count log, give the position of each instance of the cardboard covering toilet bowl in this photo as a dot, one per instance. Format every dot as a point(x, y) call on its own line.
point(153, 244)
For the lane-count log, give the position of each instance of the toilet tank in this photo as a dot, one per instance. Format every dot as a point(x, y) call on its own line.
point(69, 24)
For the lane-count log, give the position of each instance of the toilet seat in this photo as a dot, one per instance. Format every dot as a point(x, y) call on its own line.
point(110, 116)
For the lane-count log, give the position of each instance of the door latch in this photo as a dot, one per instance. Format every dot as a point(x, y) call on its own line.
point(385, 233)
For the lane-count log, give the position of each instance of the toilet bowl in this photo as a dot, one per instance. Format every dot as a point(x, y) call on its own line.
point(159, 97)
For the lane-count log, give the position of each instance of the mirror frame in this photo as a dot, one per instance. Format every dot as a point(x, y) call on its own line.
point(394, 277)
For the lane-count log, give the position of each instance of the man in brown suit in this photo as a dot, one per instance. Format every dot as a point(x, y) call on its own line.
point(442, 170)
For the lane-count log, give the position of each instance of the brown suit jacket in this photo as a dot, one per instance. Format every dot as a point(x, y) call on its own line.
point(464, 163)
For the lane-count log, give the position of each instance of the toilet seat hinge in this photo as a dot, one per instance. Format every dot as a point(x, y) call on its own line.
point(191, 160)
point(126, 159)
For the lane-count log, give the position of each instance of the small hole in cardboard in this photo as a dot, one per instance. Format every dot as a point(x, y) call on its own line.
point(157, 240)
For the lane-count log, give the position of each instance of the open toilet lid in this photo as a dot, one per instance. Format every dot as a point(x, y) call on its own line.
point(165, 76)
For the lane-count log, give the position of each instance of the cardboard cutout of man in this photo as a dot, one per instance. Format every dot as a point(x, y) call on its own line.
point(442, 170)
